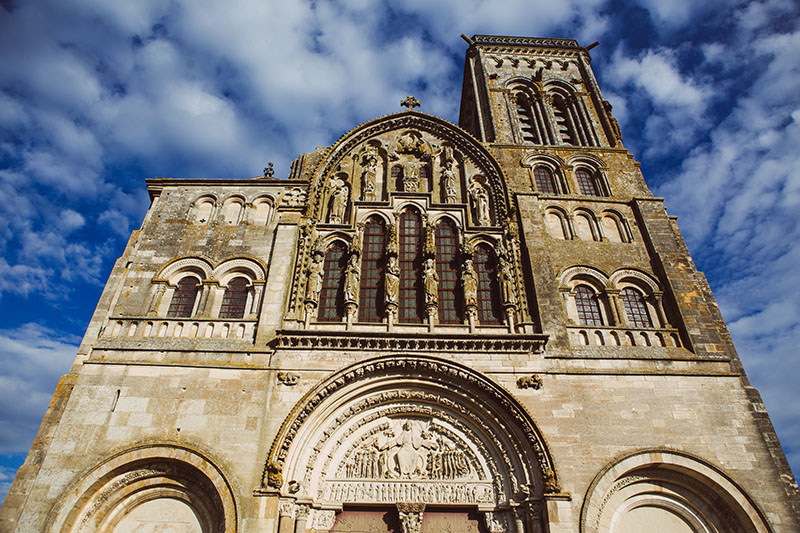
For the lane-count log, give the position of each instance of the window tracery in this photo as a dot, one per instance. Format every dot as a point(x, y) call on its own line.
point(588, 306)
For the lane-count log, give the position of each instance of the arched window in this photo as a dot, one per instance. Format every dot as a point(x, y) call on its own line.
point(203, 210)
point(588, 306)
point(527, 122)
point(587, 183)
point(183, 299)
point(235, 298)
point(371, 297)
point(564, 125)
point(636, 308)
point(397, 177)
point(489, 308)
point(544, 180)
point(331, 304)
point(410, 259)
point(446, 268)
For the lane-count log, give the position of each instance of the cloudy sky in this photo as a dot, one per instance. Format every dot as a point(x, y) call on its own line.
point(96, 96)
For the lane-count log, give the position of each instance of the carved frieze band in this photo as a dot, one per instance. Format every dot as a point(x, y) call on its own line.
point(307, 340)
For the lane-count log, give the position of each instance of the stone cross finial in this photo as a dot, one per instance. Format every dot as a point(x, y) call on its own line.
point(410, 102)
point(269, 170)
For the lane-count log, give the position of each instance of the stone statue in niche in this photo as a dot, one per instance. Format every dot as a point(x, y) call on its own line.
point(411, 179)
point(338, 201)
point(469, 283)
point(392, 281)
point(315, 274)
point(352, 277)
point(505, 276)
point(480, 202)
point(449, 177)
point(370, 176)
point(431, 279)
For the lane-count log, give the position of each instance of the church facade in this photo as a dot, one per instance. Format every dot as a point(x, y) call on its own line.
point(489, 327)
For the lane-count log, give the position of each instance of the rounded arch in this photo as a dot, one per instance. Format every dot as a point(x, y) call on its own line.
point(177, 267)
point(437, 218)
point(140, 479)
point(667, 485)
point(589, 161)
point(250, 267)
point(343, 442)
point(366, 214)
point(442, 130)
point(263, 209)
point(202, 209)
point(628, 276)
point(572, 276)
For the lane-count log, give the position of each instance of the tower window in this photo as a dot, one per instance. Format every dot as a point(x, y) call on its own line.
point(235, 298)
point(397, 177)
point(636, 308)
point(489, 308)
point(371, 295)
point(183, 299)
point(544, 180)
point(564, 126)
point(588, 184)
point(588, 306)
point(331, 304)
point(410, 259)
point(446, 268)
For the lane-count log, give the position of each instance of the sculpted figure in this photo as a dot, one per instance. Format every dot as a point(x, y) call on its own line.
point(352, 277)
point(431, 279)
point(392, 281)
point(314, 278)
point(469, 282)
point(506, 278)
point(411, 177)
point(339, 196)
point(480, 203)
point(370, 173)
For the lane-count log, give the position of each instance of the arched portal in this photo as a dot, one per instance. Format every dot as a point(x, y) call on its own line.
point(412, 433)
point(153, 487)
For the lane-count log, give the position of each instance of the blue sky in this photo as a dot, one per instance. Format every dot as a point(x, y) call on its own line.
point(96, 96)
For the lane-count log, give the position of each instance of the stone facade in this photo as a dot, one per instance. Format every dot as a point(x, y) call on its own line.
point(493, 327)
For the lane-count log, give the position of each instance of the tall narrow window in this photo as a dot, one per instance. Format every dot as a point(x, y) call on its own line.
point(588, 306)
point(331, 304)
point(446, 268)
point(544, 179)
point(183, 299)
point(235, 299)
point(410, 242)
point(527, 122)
point(587, 183)
point(397, 177)
point(489, 308)
point(424, 178)
point(371, 297)
point(636, 308)
point(564, 125)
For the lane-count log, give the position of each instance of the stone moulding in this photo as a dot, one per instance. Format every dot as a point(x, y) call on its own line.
point(309, 339)
point(524, 448)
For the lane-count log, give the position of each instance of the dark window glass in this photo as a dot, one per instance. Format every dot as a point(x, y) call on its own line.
point(182, 303)
point(587, 184)
point(397, 177)
point(588, 306)
point(489, 308)
point(235, 299)
point(424, 174)
point(371, 296)
point(331, 299)
point(544, 180)
point(410, 259)
point(447, 269)
point(636, 308)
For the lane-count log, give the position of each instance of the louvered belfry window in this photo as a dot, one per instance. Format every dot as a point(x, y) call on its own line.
point(183, 299)
point(410, 259)
point(372, 261)
point(235, 298)
point(489, 307)
point(331, 304)
point(588, 306)
point(450, 311)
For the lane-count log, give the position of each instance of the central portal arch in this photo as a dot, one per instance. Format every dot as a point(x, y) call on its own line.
point(411, 433)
